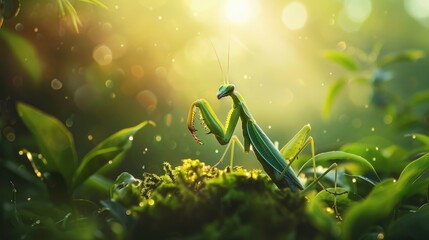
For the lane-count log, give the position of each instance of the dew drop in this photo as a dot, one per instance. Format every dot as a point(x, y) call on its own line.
point(110, 162)
point(158, 138)
point(151, 202)
point(90, 137)
point(216, 151)
point(354, 180)
point(414, 136)
point(372, 129)
point(131, 138)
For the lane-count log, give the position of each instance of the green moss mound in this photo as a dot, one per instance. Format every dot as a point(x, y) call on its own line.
point(194, 201)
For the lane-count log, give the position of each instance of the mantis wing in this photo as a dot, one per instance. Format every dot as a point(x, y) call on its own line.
point(271, 159)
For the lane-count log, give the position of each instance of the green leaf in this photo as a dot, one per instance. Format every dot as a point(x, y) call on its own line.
point(419, 98)
point(411, 55)
point(96, 3)
point(119, 212)
point(333, 91)
point(343, 158)
point(110, 149)
point(422, 138)
point(341, 58)
point(382, 200)
point(25, 53)
point(417, 221)
point(54, 140)
point(321, 219)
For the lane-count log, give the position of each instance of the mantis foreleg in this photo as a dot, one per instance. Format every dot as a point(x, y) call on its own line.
point(212, 123)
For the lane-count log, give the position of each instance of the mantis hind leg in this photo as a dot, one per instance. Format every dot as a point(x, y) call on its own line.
point(231, 144)
point(291, 151)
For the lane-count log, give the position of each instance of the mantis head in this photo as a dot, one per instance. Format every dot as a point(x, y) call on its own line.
point(225, 90)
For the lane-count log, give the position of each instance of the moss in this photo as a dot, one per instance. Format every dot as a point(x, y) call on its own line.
point(194, 201)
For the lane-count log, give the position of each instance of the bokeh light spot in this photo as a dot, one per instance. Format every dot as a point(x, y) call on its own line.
point(148, 100)
point(294, 15)
point(56, 84)
point(137, 71)
point(102, 55)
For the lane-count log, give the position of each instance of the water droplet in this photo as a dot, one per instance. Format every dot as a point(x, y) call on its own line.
point(394, 180)
point(21, 152)
point(56, 84)
point(380, 236)
point(110, 162)
point(354, 180)
point(216, 151)
point(29, 199)
point(90, 137)
point(151, 202)
point(414, 136)
point(374, 159)
point(376, 148)
point(158, 138)
point(143, 167)
point(269, 126)
point(372, 129)
point(131, 138)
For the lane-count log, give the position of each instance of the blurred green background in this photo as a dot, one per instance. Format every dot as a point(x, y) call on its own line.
point(150, 59)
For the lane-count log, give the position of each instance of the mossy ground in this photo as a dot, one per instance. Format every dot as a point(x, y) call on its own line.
point(194, 201)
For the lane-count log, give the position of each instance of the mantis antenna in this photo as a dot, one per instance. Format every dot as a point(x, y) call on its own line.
point(225, 80)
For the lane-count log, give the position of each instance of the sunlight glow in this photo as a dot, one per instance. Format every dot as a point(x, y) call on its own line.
point(419, 10)
point(240, 11)
point(294, 15)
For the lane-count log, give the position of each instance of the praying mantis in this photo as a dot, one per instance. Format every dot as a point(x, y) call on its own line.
point(275, 162)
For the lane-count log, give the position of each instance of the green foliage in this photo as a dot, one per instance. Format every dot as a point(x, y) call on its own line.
point(54, 140)
point(59, 163)
point(374, 73)
point(24, 52)
point(341, 58)
point(380, 204)
point(67, 8)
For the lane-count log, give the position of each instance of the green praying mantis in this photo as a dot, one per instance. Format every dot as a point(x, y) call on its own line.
point(275, 162)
